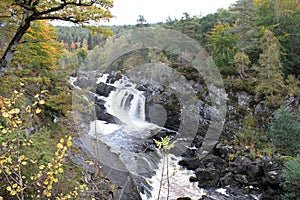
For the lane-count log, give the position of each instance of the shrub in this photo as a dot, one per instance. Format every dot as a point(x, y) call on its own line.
point(284, 131)
point(291, 175)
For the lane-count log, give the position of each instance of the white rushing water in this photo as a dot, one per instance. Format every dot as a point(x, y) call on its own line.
point(128, 105)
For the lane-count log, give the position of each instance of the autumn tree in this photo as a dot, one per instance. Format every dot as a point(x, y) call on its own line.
point(23, 13)
point(222, 45)
point(39, 50)
point(271, 88)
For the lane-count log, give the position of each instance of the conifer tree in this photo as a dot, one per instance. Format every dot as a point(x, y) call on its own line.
point(270, 86)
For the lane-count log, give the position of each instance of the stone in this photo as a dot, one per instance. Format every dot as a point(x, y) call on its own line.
point(184, 198)
point(241, 178)
point(103, 89)
point(228, 180)
point(113, 77)
point(207, 177)
point(240, 165)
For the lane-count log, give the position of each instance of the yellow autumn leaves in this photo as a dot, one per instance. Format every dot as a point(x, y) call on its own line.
point(61, 141)
point(40, 102)
point(8, 109)
point(52, 170)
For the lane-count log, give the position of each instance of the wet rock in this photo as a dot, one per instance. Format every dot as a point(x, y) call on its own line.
point(190, 163)
point(207, 177)
point(209, 161)
point(184, 198)
point(101, 114)
point(193, 179)
point(103, 89)
point(204, 197)
point(113, 77)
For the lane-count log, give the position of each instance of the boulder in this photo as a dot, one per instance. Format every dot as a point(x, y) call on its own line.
point(103, 89)
point(207, 177)
point(113, 77)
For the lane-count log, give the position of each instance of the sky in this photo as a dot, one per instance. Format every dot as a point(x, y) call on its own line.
point(127, 11)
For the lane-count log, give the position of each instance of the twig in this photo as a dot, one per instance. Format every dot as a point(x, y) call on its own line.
point(168, 180)
point(162, 176)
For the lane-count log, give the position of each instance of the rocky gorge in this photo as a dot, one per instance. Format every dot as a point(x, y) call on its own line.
point(231, 165)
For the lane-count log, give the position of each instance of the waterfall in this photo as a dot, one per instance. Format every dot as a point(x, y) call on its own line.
point(127, 104)
point(125, 141)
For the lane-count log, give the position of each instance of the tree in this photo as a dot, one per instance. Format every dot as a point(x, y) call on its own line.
point(39, 50)
point(23, 13)
point(222, 44)
point(282, 17)
point(245, 30)
point(271, 86)
point(141, 20)
point(241, 61)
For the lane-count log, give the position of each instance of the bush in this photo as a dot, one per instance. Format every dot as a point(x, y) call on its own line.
point(291, 175)
point(284, 131)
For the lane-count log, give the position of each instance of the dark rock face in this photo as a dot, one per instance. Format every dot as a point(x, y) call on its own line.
point(103, 89)
point(113, 77)
point(214, 172)
point(184, 198)
point(102, 114)
point(207, 177)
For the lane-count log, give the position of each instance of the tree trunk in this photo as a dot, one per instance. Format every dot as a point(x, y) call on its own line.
point(10, 50)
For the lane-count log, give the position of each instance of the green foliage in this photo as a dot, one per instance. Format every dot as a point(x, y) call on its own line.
point(284, 130)
point(82, 37)
point(283, 19)
point(292, 86)
point(291, 176)
point(241, 61)
point(256, 139)
point(164, 143)
point(240, 85)
point(222, 45)
point(245, 28)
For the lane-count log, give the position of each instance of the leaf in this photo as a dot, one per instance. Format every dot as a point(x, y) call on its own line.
point(42, 102)
point(38, 110)
point(69, 143)
point(59, 146)
point(8, 188)
point(28, 109)
point(5, 115)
